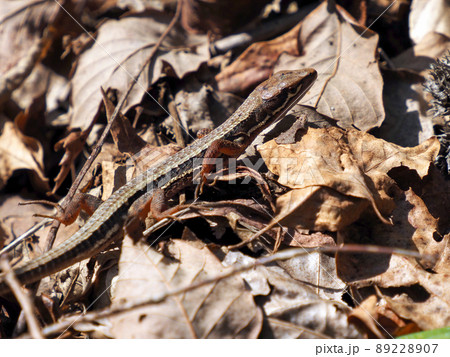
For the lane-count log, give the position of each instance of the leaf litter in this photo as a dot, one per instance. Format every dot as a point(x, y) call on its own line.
point(330, 183)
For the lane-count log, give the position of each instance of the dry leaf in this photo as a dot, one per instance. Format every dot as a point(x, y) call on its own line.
point(414, 229)
point(374, 317)
point(408, 121)
point(118, 169)
point(319, 208)
point(429, 310)
point(140, 5)
point(122, 47)
point(318, 270)
point(42, 82)
point(349, 85)
point(337, 174)
point(418, 294)
point(18, 219)
point(221, 310)
point(427, 236)
point(22, 23)
point(418, 58)
point(256, 63)
point(291, 306)
point(19, 151)
point(246, 216)
point(72, 144)
point(122, 132)
point(429, 16)
point(199, 107)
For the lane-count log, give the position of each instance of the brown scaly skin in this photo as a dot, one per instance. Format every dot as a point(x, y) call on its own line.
point(269, 102)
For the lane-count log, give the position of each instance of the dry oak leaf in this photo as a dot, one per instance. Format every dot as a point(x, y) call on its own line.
point(349, 86)
point(414, 229)
point(224, 309)
point(424, 295)
point(430, 310)
point(122, 47)
point(427, 237)
point(292, 305)
point(18, 151)
point(336, 174)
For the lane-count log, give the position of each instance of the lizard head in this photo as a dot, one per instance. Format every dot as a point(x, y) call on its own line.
point(284, 89)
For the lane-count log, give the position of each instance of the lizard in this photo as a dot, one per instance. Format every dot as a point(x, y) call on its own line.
point(266, 104)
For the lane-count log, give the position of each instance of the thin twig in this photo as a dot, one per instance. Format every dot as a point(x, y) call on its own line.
point(26, 235)
point(177, 124)
point(283, 255)
point(23, 298)
point(275, 221)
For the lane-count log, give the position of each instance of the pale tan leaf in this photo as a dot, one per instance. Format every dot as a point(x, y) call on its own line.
point(221, 310)
point(427, 237)
point(24, 38)
point(328, 164)
point(431, 312)
point(22, 22)
point(420, 296)
point(428, 315)
point(349, 85)
point(198, 109)
point(18, 151)
point(291, 303)
point(318, 270)
point(122, 47)
point(418, 58)
point(414, 229)
point(42, 81)
point(140, 5)
point(18, 219)
point(319, 208)
point(429, 16)
point(408, 121)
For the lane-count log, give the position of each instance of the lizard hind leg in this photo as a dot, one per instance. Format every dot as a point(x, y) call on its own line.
point(152, 203)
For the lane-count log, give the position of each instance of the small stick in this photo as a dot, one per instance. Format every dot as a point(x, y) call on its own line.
point(23, 298)
point(282, 255)
point(177, 124)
